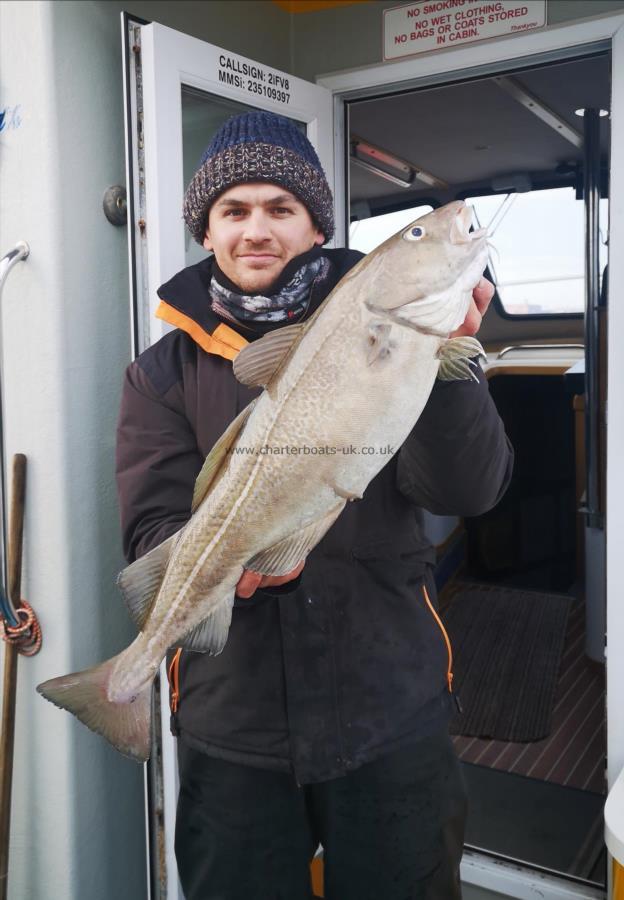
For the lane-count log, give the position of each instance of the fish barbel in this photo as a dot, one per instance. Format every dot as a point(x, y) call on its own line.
point(357, 374)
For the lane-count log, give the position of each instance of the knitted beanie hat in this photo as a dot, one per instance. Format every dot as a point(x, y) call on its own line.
point(259, 146)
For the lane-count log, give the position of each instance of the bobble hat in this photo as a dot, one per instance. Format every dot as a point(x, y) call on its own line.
point(259, 146)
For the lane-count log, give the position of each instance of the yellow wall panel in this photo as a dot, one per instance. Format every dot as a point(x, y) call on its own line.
point(618, 881)
point(302, 6)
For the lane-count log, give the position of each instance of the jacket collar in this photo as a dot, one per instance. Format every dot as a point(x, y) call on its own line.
point(185, 304)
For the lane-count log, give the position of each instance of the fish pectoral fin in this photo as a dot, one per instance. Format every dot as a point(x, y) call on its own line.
point(256, 364)
point(281, 558)
point(217, 455)
point(379, 342)
point(455, 358)
point(139, 582)
point(211, 635)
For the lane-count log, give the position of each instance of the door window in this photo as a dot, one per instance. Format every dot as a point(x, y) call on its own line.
point(537, 249)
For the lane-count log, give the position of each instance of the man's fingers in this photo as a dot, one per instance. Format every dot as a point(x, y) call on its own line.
point(274, 580)
point(481, 299)
point(250, 581)
point(247, 583)
point(471, 323)
point(482, 294)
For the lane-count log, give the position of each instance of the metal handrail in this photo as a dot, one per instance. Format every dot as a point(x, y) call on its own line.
point(540, 347)
point(20, 251)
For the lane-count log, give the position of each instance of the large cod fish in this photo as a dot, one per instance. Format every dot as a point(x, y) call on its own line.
point(356, 375)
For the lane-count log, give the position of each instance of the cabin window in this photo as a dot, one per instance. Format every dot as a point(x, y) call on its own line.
point(366, 234)
point(537, 249)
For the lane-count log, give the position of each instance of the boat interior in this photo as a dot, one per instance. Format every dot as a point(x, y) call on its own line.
point(521, 587)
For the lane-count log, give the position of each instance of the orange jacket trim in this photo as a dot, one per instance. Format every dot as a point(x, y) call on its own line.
point(224, 341)
point(172, 676)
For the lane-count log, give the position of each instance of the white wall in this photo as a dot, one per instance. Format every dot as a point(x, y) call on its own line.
point(65, 330)
point(346, 37)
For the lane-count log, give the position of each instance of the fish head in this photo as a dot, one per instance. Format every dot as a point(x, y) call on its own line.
point(430, 268)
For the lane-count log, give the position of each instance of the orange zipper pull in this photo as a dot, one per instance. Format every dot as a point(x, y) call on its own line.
point(172, 675)
point(449, 673)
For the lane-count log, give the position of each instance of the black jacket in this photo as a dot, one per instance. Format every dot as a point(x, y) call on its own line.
point(350, 662)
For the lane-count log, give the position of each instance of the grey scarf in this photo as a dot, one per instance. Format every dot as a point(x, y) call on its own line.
point(287, 303)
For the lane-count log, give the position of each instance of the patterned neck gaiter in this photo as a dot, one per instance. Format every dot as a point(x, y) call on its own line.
point(287, 299)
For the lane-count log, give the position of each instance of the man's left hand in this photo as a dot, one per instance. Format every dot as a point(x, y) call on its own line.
point(250, 581)
point(481, 299)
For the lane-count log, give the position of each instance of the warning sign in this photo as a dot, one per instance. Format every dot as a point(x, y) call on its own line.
point(431, 24)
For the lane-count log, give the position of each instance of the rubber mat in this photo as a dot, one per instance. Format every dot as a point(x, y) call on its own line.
point(507, 651)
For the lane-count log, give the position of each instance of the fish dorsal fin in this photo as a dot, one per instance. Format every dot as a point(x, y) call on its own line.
point(211, 635)
point(139, 582)
point(257, 363)
point(282, 557)
point(215, 458)
point(455, 358)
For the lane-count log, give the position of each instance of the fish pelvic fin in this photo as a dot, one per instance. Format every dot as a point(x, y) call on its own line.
point(140, 581)
point(126, 725)
point(210, 636)
point(282, 557)
point(455, 355)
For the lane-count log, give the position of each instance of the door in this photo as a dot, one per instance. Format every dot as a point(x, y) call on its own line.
point(179, 90)
point(492, 57)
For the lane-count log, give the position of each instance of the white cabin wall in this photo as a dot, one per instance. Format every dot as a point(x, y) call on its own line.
point(65, 346)
point(347, 37)
point(78, 807)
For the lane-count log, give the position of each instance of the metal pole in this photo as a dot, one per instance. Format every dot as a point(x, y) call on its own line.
point(591, 179)
point(19, 252)
point(7, 731)
point(10, 601)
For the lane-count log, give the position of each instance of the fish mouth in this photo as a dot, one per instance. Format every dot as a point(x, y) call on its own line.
point(460, 227)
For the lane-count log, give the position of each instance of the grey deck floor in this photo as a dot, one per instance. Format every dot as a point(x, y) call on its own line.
point(554, 827)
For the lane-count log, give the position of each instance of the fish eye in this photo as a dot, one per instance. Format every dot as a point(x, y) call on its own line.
point(415, 233)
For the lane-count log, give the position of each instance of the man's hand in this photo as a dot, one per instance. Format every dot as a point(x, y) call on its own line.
point(250, 581)
point(481, 299)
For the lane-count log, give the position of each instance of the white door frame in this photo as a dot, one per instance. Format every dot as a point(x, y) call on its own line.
point(480, 58)
point(170, 59)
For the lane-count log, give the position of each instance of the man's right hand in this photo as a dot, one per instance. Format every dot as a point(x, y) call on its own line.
point(250, 581)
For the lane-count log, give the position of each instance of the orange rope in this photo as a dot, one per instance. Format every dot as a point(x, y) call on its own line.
point(26, 636)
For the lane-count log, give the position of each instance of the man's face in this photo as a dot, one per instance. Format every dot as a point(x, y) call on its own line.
point(255, 229)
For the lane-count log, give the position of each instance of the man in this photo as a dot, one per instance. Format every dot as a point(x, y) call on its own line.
point(325, 718)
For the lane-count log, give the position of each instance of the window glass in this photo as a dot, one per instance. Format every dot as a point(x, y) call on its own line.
point(537, 249)
point(366, 234)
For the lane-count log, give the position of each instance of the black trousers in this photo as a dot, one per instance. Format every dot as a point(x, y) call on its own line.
point(391, 830)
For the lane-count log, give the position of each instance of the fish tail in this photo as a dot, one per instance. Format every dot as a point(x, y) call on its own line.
point(125, 724)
